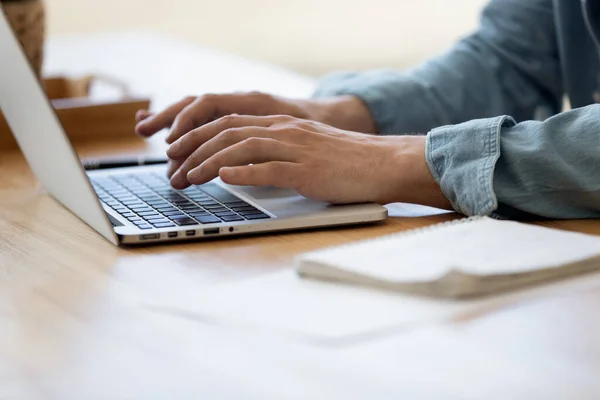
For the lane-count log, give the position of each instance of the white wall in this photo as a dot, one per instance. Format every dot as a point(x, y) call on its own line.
point(311, 36)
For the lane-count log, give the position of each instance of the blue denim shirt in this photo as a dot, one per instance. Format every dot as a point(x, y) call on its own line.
point(497, 141)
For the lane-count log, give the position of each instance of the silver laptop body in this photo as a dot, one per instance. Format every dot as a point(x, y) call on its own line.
point(136, 205)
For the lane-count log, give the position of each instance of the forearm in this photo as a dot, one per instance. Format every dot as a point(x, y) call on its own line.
point(509, 66)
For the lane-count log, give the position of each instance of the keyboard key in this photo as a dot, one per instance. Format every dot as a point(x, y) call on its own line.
point(147, 226)
point(148, 213)
point(237, 203)
point(181, 202)
point(197, 195)
point(132, 204)
point(152, 199)
point(156, 202)
point(208, 203)
point(213, 205)
point(166, 209)
point(185, 221)
point(124, 197)
point(145, 193)
point(199, 214)
point(140, 222)
point(155, 218)
point(232, 218)
point(244, 209)
point(210, 219)
point(173, 196)
point(120, 192)
point(173, 214)
point(191, 207)
point(224, 213)
point(128, 214)
point(138, 209)
point(163, 225)
point(257, 216)
point(215, 210)
point(128, 199)
point(159, 221)
point(253, 212)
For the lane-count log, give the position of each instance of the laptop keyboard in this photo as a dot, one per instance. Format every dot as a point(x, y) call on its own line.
point(148, 201)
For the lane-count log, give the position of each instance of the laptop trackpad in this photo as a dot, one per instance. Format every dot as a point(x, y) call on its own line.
point(267, 192)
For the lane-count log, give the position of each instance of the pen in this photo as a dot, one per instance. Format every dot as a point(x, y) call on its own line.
point(121, 162)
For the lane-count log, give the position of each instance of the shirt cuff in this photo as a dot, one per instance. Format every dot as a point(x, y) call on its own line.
point(462, 159)
point(399, 103)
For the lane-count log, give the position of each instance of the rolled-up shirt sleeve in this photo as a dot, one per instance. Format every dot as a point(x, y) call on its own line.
point(542, 169)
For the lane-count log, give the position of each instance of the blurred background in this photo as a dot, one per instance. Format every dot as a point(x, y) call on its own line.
point(312, 37)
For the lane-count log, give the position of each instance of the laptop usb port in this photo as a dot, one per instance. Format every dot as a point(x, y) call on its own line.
point(211, 231)
point(173, 234)
point(190, 233)
point(150, 236)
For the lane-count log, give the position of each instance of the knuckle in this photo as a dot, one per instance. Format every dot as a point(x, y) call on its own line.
point(229, 136)
point(227, 121)
point(303, 124)
point(190, 99)
point(284, 119)
point(281, 131)
point(207, 97)
point(260, 95)
point(254, 143)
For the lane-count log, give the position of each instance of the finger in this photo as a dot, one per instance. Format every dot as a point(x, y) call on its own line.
point(142, 115)
point(251, 151)
point(202, 110)
point(223, 140)
point(212, 106)
point(173, 166)
point(163, 119)
point(280, 174)
point(188, 143)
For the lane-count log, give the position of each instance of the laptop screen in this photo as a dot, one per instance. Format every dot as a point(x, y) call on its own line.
point(41, 137)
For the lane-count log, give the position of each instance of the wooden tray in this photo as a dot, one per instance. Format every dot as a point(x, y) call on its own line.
point(84, 118)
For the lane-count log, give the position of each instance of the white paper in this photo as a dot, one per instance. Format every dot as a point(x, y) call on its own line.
point(335, 313)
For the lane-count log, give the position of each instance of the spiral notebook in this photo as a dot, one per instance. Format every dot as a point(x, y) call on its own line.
point(464, 258)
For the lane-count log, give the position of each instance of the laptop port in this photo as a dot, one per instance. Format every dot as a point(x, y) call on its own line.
point(150, 236)
point(190, 233)
point(211, 231)
point(173, 234)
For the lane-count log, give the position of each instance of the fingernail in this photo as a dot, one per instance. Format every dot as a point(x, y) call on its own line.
point(170, 137)
point(174, 148)
point(176, 178)
point(227, 173)
point(194, 175)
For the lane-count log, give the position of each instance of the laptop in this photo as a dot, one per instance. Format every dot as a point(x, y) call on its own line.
point(137, 205)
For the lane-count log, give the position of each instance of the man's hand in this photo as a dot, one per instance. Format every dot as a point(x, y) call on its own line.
point(319, 161)
point(344, 112)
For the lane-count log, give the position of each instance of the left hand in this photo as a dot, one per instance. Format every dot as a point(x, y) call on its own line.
point(318, 161)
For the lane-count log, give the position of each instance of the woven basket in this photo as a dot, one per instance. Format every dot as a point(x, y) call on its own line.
point(27, 19)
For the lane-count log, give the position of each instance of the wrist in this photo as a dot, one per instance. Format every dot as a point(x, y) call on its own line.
point(407, 178)
point(345, 112)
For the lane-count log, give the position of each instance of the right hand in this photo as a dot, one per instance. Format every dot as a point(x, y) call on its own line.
point(343, 112)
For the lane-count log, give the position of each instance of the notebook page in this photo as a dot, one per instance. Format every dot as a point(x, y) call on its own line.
point(482, 246)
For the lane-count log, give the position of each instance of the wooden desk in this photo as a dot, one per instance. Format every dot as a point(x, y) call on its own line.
point(73, 325)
